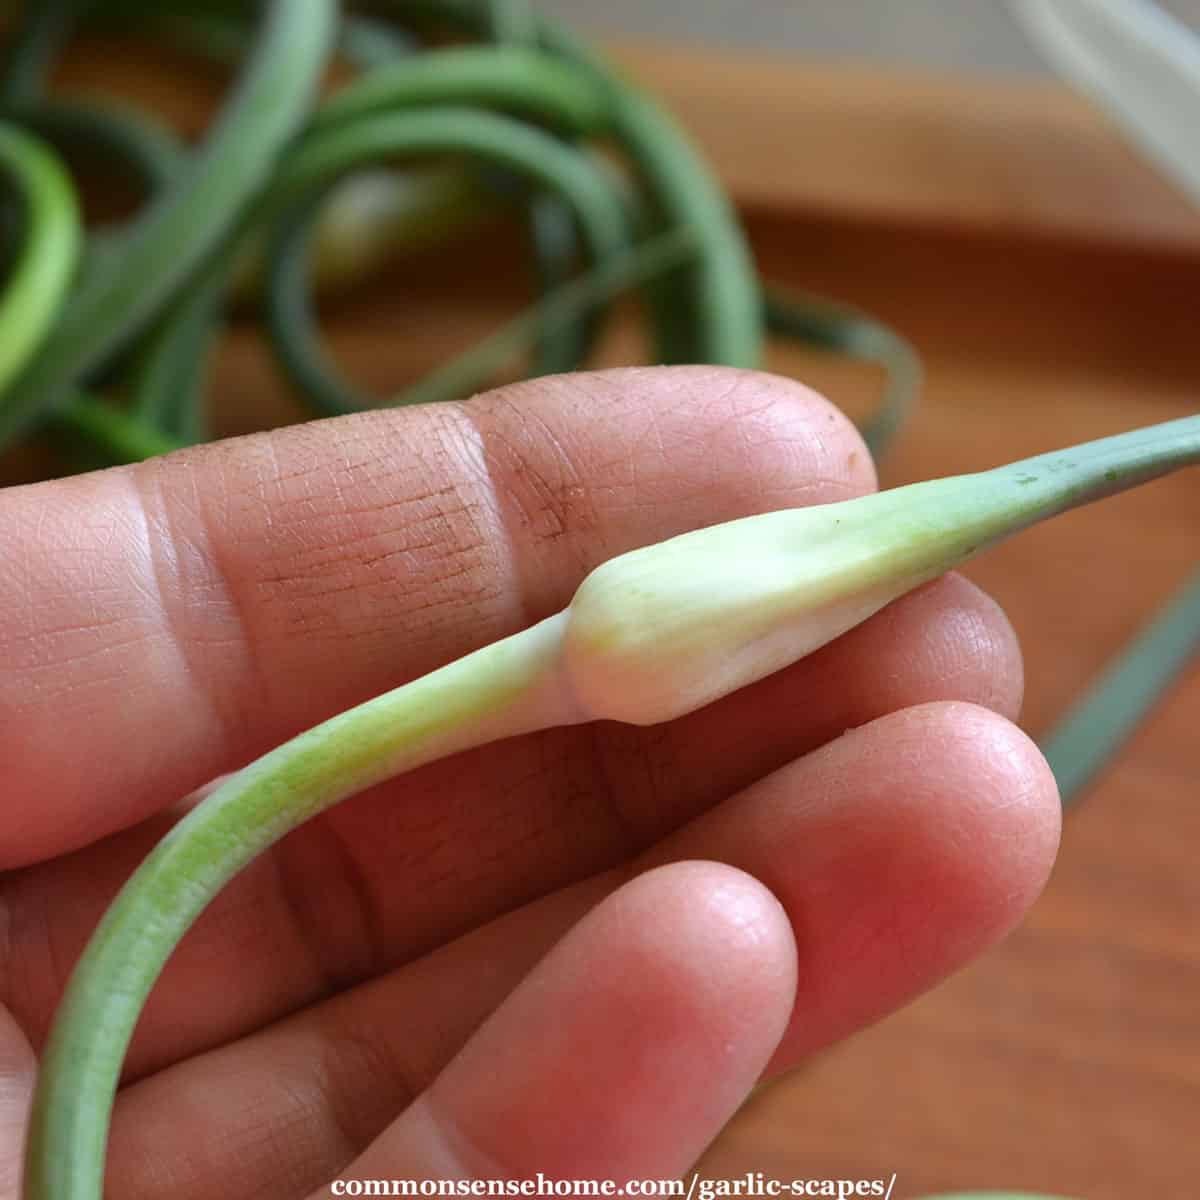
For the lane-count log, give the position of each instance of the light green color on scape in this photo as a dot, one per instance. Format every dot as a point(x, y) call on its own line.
point(40, 277)
point(664, 630)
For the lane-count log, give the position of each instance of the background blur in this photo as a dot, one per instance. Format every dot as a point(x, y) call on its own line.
point(937, 34)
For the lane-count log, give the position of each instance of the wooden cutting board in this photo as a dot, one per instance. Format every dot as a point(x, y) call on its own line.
point(1050, 281)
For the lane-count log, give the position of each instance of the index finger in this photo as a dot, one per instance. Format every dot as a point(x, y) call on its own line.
point(170, 621)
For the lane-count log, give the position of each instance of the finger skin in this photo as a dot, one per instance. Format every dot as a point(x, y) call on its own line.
point(624, 1053)
point(168, 621)
point(899, 852)
point(929, 835)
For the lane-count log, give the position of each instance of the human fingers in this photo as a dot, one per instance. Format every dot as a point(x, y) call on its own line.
point(899, 852)
point(623, 1053)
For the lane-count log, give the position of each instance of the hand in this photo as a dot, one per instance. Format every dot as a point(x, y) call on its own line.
point(574, 952)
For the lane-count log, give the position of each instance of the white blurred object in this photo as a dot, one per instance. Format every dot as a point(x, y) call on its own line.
point(1139, 63)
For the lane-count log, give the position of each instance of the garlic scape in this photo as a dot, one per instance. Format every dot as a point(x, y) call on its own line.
point(649, 636)
point(658, 632)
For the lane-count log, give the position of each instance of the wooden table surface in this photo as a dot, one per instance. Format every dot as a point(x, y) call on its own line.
point(1050, 282)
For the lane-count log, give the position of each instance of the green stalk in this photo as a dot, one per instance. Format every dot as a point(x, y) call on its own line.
point(510, 77)
point(102, 126)
point(712, 312)
point(662, 631)
point(44, 27)
point(498, 691)
point(562, 346)
point(507, 77)
point(326, 154)
point(311, 370)
point(512, 21)
point(192, 219)
point(1087, 737)
point(369, 218)
point(828, 326)
point(120, 436)
point(120, 136)
point(168, 378)
point(51, 241)
point(220, 32)
point(368, 44)
point(649, 636)
point(719, 293)
point(556, 310)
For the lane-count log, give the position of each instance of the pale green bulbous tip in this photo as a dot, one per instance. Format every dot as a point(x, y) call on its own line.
point(658, 632)
point(661, 631)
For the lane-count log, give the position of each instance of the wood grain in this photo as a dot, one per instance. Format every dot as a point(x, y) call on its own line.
point(1049, 280)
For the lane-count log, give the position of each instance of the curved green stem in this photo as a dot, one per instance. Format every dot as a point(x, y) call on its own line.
point(220, 32)
point(712, 312)
point(121, 136)
point(508, 77)
point(51, 240)
point(499, 691)
point(167, 382)
point(44, 28)
point(829, 326)
point(561, 308)
point(720, 291)
point(120, 437)
point(325, 154)
point(368, 44)
point(373, 216)
point(103, 127)
point(193, 218)
point(564, 345)
point(1086, 738)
